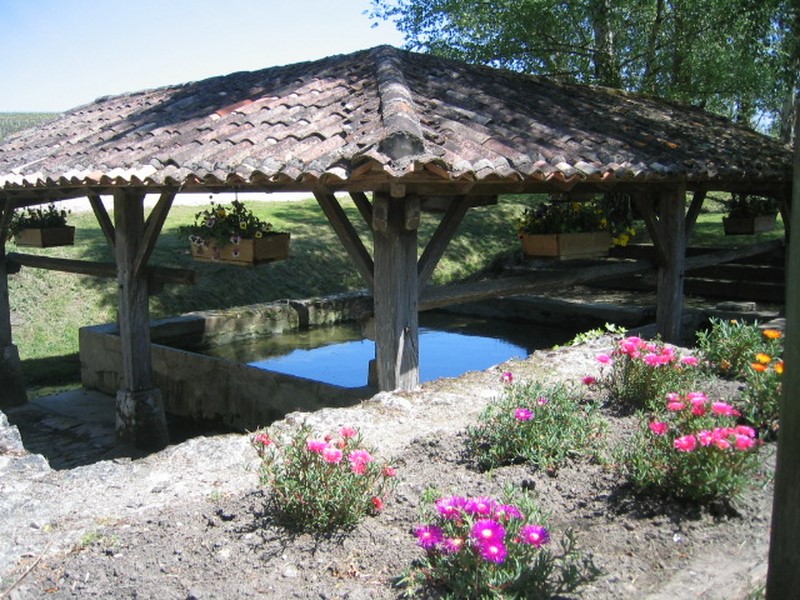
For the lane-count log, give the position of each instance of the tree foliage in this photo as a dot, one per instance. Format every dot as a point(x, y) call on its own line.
point(739, 58)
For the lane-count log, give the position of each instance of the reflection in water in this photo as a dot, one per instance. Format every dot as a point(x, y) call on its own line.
point(450, 345)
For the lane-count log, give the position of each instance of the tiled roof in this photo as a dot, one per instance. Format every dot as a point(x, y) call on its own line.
point(362, 120)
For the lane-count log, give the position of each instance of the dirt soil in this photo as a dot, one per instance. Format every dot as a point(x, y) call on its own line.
point(189, 522)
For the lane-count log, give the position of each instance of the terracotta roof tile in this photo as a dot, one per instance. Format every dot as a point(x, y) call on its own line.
point(383, 114)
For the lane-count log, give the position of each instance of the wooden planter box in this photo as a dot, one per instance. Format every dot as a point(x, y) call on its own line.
point(566, 245)
point(46, 237)
point(748, 225)
point(271, 247)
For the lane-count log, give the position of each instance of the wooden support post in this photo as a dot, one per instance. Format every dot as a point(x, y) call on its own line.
point(140, 410)
point(12, 383)
point(396, 297)
point(667, 228)
point(783, 575)
point(672, 227)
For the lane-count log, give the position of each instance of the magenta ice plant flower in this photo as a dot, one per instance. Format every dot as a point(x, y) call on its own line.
point(481, 505)
point(452, 545)
point(316, 446)
point(450, 507)
point(724, 409)
point(428, 536)
point(523, 414)
point(658, 427)
point(507, 377)
point(685, 443)
point(331, 455)
point(535, 535)
point(488, 531)
point(348, 432)
point(495, 552)
point(504, 512)
point(603, 359)
point(589, 380)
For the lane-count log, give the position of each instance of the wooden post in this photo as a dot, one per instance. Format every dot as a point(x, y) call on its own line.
point(666, 224)
point(396, 295)
point(12, 383)
point(783, 576)
point(140, 410)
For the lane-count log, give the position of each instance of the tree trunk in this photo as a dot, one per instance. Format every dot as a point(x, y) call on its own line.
point(606, 63)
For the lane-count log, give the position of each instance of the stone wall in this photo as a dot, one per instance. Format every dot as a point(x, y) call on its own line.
point(209, 388)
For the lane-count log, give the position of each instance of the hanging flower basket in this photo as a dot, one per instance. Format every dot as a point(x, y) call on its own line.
point(566, 246)
point(748, 225)
point(268, 248)
point(41, 228)
point(45, 237)
point(233, 234)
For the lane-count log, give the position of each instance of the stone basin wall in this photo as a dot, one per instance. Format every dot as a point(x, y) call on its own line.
point(209, 388)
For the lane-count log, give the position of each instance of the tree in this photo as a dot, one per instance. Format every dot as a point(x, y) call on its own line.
point(735, 57)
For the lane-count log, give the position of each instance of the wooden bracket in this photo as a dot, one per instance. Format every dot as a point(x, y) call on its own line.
point(347, 235)
point(103, 219)
point(437, 245)
point(155, 223)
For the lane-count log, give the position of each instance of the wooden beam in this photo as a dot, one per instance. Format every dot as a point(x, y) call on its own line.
point(155, 222)
point(646, 208)
point(783, 574)
point(363, 206)
point(694, 211)
point(155, 274)
point(396, 301)
point(347, 235)
point(100, 212)
point(141, 419)
point(437, 245)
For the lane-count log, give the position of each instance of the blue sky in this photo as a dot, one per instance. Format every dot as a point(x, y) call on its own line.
point(58, 54)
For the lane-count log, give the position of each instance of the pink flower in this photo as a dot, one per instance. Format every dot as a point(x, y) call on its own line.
point(589, 380)
point(263, 439)
point(360, 456)
point(658, 427)
point(535, 535)
point(675, 406)
point(724, 409)
point(331, 455)
point(358, 468)
point(541, 401)
point(504, 512)
point(493, 552)
point(488, 531)
point(652, 360)
point(377, 504)
point(744, 442)
point(686, 443)
point(705, 437)
point(698, 406)
point(696, 397)
point(428, 536)
point(507, 377)
point(452, 545)
point(348, 432)
point(316, 446)
point(603, 359)
point(389, 471)
point(689, 361)
point(523, 414)
point(450, 507)
point(745, 430)
point(479, 506)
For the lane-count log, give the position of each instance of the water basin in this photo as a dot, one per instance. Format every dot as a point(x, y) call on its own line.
point(450, 345)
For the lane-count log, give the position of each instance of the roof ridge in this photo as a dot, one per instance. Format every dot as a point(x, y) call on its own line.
point(399, 114)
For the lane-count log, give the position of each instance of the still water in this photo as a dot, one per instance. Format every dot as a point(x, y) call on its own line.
point(449, 346)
